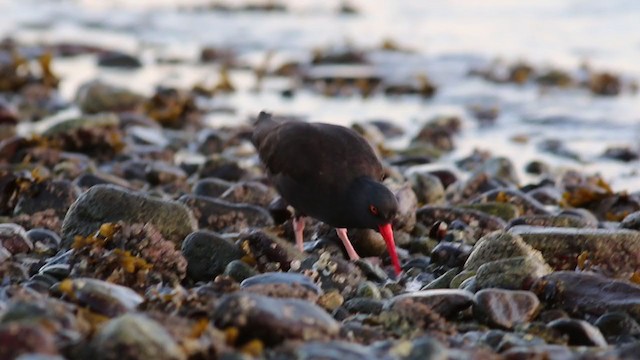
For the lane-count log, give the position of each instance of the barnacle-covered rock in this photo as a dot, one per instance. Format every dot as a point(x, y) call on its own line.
point(133, 255)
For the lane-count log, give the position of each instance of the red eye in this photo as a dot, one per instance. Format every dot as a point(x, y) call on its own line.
point(373, 209)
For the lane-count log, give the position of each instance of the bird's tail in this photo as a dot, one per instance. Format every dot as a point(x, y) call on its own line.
point(262, 126)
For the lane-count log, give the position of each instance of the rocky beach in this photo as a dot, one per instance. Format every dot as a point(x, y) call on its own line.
point(137, 221)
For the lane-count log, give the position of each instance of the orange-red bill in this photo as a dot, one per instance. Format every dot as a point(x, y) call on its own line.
point(387, 234)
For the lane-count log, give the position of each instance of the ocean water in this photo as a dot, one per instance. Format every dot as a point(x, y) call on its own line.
point(448, 38)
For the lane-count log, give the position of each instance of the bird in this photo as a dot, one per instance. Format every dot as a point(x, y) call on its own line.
point(328, 172)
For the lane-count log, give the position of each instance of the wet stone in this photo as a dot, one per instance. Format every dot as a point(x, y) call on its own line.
point(100, 296)
point(210, 142)
point(96, 97)
point(422, 348)
point(450, 254)
point(44, 241)
point(462, 192)
point(222, 168)
point(580, 332)
point(504, 211)
point(617, 324)
point(547, 195)
point(57, 271)
point(631, 221)
point(513, 273)
point(222, 216)
point(282, 278)
point(615, 251)
point(270, 252)
point(23, 338)
point(57, 195)
point(282, 285)
point(118, 60)
point(525, 203)
point(334, 350)
point(250, 192)
point(135, 337)
point(457, 281)
point(86, 181)
point(160, 173)
point(107, 203)
point(445, 302)
point(274, 320)
point(584, 215)
point(208, 254)
point(500, 168)
point(581, 293)
point(405, 219)
point(369, 290)
point(567, 221)
point(211, 187)
point(330, 301)
point(366, 242)
point(429, 215)
point(499, 245)
point(505, 308)
point(427, 187)
point(14, 239)
point(443, 281)
point(239, 270)
point(363, 305)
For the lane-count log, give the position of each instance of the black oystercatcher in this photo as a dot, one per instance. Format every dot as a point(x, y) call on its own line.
point(328, 172)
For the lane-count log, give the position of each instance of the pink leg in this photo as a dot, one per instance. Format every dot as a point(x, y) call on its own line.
point(342, 234)
point(298, 228)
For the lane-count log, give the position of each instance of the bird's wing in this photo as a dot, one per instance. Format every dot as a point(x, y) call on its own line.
point(307, 151)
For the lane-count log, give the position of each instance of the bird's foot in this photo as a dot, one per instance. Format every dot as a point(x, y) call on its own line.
point(342, 234)
point(298, 229)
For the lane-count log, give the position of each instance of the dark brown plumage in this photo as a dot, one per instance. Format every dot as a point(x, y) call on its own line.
point(328, 172)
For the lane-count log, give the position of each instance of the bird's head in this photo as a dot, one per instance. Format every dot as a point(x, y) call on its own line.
point(375, 207)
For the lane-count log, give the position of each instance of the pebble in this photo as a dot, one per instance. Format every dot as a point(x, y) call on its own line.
point(580, 332)
point(44, 241)
point(615, 251)
point(450, 254)
point(525, 204)
point(364, 305)
point(274, 320)
point(281, 278)
point(497, 246)
point(483, 223)
point(99, 97)
point(211, 187)
point(567, 221)
point(335, 350)
point(18, 339)
point(221, 216)
point(427, 187)
point(107, 203)
point(613, 325)
point(270, 252)
point(135, 337)
point(446, 302)
point(14, 239)
point(505, 308)
point(100, 296)
point(57, 195)
point(250, 192)
point(582, 293)
point(513, 273)
point(239, 270)
point(208, 254)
